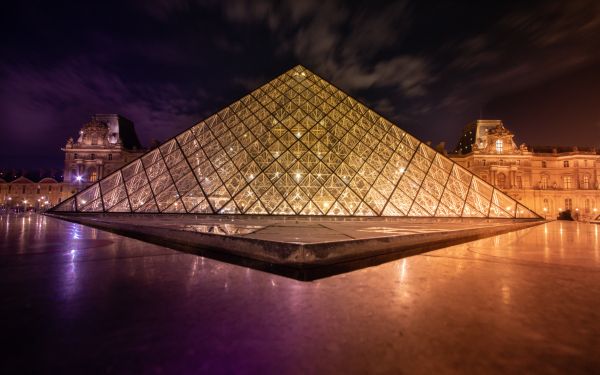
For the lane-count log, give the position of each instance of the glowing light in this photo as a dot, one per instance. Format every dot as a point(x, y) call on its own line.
point(320, 193)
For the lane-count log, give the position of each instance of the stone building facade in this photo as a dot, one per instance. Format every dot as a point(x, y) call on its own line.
point(546, 179)
point(24, 194)
point(104, 144)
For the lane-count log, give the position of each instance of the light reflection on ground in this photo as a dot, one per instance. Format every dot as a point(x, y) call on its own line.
point(522, 302)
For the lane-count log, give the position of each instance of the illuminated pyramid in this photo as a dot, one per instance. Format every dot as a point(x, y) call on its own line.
point(296, 146)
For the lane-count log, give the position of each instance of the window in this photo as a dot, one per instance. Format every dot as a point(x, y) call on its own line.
point(567, 182)
point(38, 190)
point(587, 206)
point(500, 180)
point(543, 164)
point(566, 164)
point(546, 208)
point(49, 188)
point(93, 176)
point(484, 163)
point(92, 156)
point(519, 182)
point(568, 204)
point(75, 156)
point(544, 182)
point(586, 182)
point(499, 146)
point(109, 156)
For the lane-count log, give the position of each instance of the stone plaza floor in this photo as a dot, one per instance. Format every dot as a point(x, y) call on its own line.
point(80, 300)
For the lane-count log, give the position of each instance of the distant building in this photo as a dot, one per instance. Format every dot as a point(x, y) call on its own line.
point(546, 179)
point(105, 144)
point(24, 194)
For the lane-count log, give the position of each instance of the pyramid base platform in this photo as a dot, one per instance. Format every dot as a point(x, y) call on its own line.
point(304, 248)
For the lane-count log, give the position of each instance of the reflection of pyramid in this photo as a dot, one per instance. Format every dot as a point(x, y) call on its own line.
point(296, 146)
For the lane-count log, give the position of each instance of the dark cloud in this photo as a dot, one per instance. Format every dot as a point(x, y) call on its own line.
point(431, 66)
point(42, 106)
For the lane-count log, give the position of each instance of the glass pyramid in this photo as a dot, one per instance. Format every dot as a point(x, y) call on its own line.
point(296, 146)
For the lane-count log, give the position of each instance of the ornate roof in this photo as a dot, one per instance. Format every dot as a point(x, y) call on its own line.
point(95, 125)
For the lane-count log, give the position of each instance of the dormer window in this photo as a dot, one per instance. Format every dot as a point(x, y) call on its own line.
point(499, 146)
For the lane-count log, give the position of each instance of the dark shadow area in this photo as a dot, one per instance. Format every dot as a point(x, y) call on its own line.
point(305, 272)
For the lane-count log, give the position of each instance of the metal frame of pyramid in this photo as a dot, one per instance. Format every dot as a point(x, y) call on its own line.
point(296, 146)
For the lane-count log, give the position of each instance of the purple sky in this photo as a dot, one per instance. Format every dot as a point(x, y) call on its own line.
point(430, 67)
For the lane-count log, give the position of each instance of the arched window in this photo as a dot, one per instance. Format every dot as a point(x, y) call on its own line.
point(568, 204)
point(499, 146)
point(567, 182)
point(500, 180)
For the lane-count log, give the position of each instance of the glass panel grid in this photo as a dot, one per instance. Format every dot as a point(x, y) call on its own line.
point(297, 145)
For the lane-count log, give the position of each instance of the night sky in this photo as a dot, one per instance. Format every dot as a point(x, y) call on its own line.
point(430, 67)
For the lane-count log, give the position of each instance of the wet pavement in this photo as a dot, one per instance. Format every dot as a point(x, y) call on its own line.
point(80, 300)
